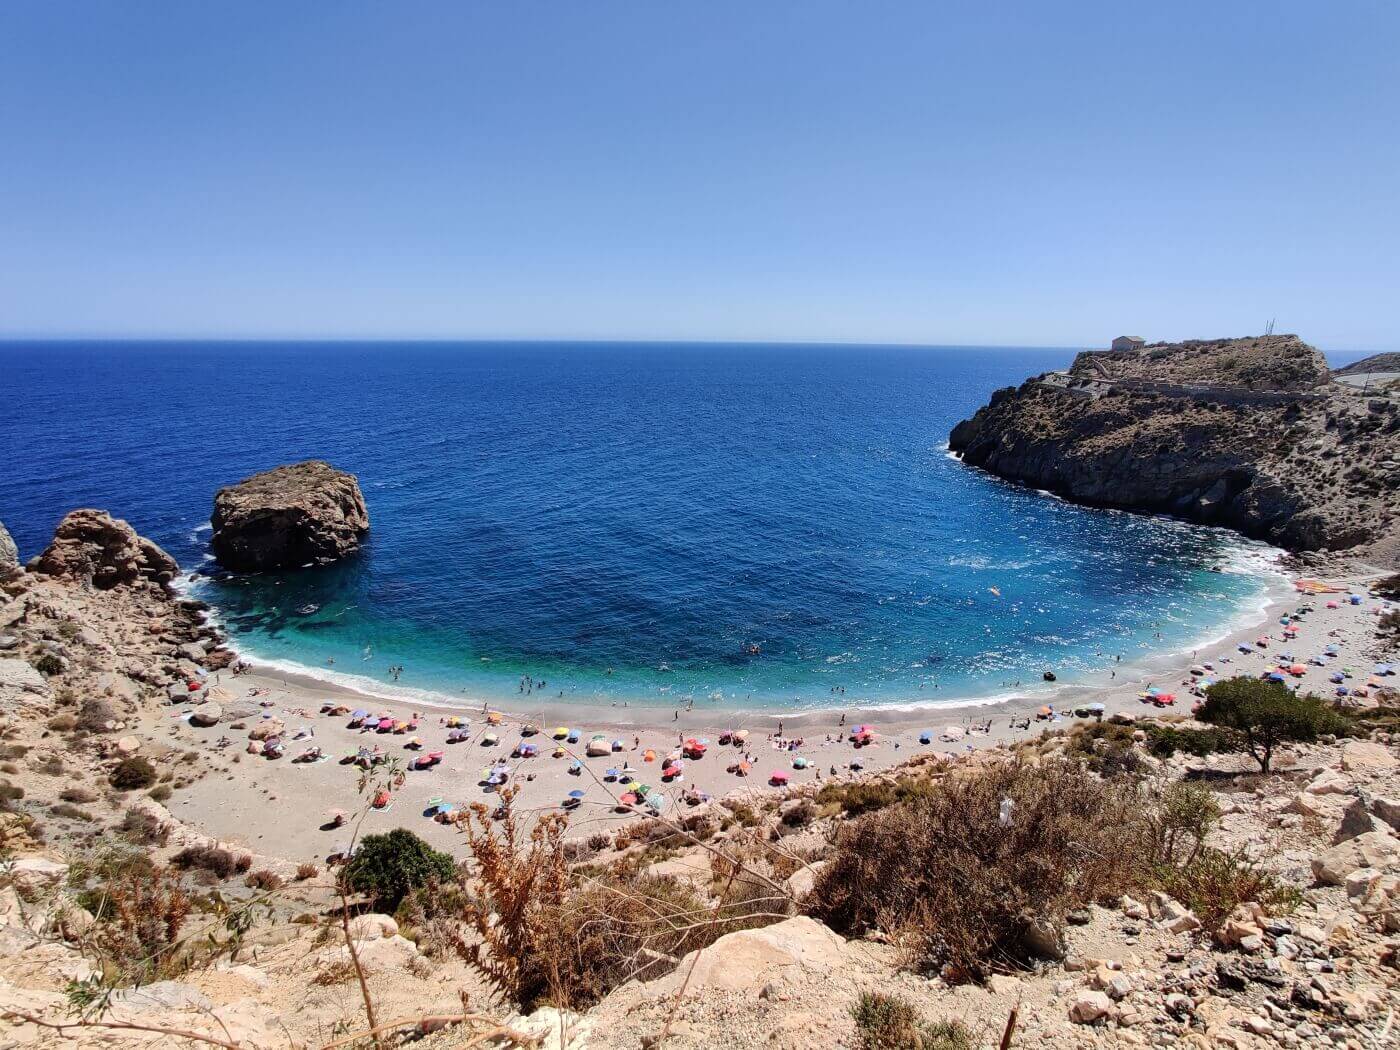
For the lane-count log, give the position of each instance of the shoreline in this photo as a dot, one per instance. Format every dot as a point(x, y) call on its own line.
point(277, 807)
point(1276, 591)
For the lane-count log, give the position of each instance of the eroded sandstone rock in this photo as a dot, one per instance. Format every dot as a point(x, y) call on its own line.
point(93, 547)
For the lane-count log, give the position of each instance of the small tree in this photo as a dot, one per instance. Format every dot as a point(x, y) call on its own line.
point(1264, 714)
point(388, 866)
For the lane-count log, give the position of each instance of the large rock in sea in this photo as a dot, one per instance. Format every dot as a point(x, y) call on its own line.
point(9, 554)
point(93, 547)
point(288, 517)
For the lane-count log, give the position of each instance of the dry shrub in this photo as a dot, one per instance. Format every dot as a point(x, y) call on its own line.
point(541, 934)
point(307, 871)
point(264, 880)
point(95, 714)
point(888, 1022)
point(139, 917)
point(334, 973)
point(961, 889)
point(213, 859)
point(78, 794)
point(141, 827)
point(132, 773)
point(1216, 881)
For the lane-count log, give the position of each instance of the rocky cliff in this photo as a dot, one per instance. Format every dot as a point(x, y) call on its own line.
point(1242, 433)
point(289, 517)
point(93, 547)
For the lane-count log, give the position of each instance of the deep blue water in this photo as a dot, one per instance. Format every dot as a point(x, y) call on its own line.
point(620, 521)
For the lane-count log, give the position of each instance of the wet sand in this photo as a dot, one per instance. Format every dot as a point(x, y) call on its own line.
point(278, 807)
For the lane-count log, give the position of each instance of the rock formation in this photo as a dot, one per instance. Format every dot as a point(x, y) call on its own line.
point(289, 517)
point(9, 554)
point(1248, 434)
point(93, 546)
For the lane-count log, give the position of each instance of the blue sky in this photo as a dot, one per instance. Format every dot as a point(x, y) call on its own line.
point(1000, 173)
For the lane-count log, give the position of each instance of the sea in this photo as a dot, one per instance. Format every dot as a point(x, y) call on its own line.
point(744, 526)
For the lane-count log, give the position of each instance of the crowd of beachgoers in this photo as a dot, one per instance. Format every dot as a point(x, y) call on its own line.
point(290, 754)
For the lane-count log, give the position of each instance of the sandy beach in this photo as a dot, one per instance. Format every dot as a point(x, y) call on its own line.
point(279, 806)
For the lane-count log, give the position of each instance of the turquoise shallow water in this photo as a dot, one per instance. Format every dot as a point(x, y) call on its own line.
point(744, 525)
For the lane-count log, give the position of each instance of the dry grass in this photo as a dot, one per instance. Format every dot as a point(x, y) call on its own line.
point(960, 889)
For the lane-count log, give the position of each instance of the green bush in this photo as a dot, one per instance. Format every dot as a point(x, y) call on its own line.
point(1262, 715)
point(1163, 741)
point(1214, 881)
point(387, 867)
point(48, 665)
point(887, 1022)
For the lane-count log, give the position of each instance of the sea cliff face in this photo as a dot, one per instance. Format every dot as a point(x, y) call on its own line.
point(1249, 433)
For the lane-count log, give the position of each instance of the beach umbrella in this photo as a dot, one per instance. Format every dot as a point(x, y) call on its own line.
point(956, 732)
point(559, 752)
point(628, 798)
point(489, 740)
point(741, 735)
point(560, 732)
point(1274, 676)
point(573, 736)
point(618, 745)
point(1337, 678)
point(1096, 709)
point(778, 778)
point(656, 802)
point(1342, 690)
point(1384, 669)
point(926, 736)
point(609, 774)
point(575, 767)
point(648, 756)
point(576, 793)
point(493, 718)
point(799, 763)
point(1334, 605)
point(1243, 648)
point(1330, 650)
point(529, 729)
point(1297, 670)
point(598, 746)
point(1197, 669)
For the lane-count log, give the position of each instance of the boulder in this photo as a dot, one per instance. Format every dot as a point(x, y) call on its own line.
point(289, 517)
point(164, 995)
point(1045, 940)
point(20, 676)
point(93, 547)
point(1329, 782)
point(1386, 809)
point(9, 555)
point(1089, 1006)
point(118, 686)
point(749, 959)
point(1357, 820)
point(267, 729)
point(32, 876)
point(1173, 916)
point(1365, 756)
point(372, 926)
point(1374, 849)
point(128, 745)
point(206, 714)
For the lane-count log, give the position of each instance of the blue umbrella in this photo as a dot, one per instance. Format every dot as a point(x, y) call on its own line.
point(576, 793)
point(609, 774)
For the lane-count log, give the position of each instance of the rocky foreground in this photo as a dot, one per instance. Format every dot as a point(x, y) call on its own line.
point(1252, 434)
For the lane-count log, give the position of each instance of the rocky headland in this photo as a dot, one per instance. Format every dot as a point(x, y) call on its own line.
point(1253, 434)
point(290, 517)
